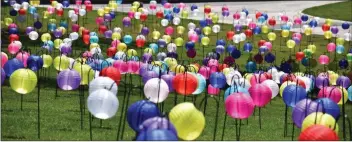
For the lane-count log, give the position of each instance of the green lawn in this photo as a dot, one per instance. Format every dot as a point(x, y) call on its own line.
point(339, 11)
point(60, 116)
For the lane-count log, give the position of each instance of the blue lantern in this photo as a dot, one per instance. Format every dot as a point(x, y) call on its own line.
point(35, 62)
point(140, 111)
point(329, 107)
point(269, 58)
point(251, 66)
point(221, 42)
point(203, 23)
point(230, 48)
point(313, 23)
point(217, 80)
point(190, 45)
point(304, 18)
point(340, 49)
point(247, 47)
point(236, 53)
point(127, 39)
point(343, 63)
point(157, 135)
point(345, 26)
point(176, 10)
point(292, 94)
point(12, 65)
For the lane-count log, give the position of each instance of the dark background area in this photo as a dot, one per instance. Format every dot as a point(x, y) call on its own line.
point(147, 1)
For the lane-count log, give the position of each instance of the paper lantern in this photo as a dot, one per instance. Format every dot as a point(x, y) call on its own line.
point(331, 47)
point(12, 65)
point(47, 60)
point(330, 107)
point(292, 94)
point(113, 73)
point(85, 71)
point(217, 80)
point(156, 90)
point(23, 81)
point(320, 119)
point(260, 94)
point(185, 84)
point(68, 79)
point(235, 89)
point(257, 78)
point(103, 83)
point(61, 62)
point(34, 62)
point(318, 133)
point(239, 99)
point(157, 135)
point(273, 87)
point(188, 121)
point(103, 104)
point(303, 108)
point(156, 123)
point(140, 111)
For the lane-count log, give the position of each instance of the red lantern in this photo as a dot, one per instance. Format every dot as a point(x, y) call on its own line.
point(229, 35)
point(185, 84)
point(13, 37)
point(86, 39)
point(207, 10)
point(113, 73)
point(325, 27)
point(140, 43)
point(272, 22)
point(111, 51)
point(268, 75)
point(102, 29)
point(85, 32)
point(144, 17)
point(261, 42)
point(89, 7)
point(59, 12)
point(318, 133)
point(299, 56)
point(248, 32)
point(222, 66)
point(22, 11)
point(258, 14)
point(159, 14)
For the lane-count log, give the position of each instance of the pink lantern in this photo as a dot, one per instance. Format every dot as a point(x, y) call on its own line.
point(87, 54)
point(236, 16)
point(331, 47)
point(87, 2)
point(213, 63)
point(167, 5)
point(75, 28)
point(169, 30)
point(78, 2)
point(261, 94)
point(130, 14)
point(181, 5)
point(133, 67)
point(4, 59)
point(213, 91)
point(204, 71)
point(23, 56)
point(323, 59)
point(332, 93)
point(252, 25)
point(298, 35)
point(99, 20)
point(12, 25)
point(76, 10)
point(257, 78)
point(51, 10)
point(121, 66)
point(13, 48)
point(115, 42)
point(297, 21)
point(193, 37)
point(268, 45)
point(239, 106)
point(284, 18)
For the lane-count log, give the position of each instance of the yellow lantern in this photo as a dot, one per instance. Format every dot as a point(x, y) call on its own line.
point(205, 41)
point(179, 41)
point(327, 34)
point(340, 41)
point(180, 30)
point(271, 36)
point(345, 95)
point(193, 68)
point(57, 43)
point(46, 14)
point(86, 73)
point(8, 21)
point(115, 36)
point(47, 60)
point(148, 50)
point(54, 3)
point(61, 63)
point(155, 35)
point(34, 2)
point(308, 31)
point(94, 45)
point(167, 38)
point(136, 4)
point(23, 81)
point(206, 30)
point(62, 29)
point(106, 10)
point(134, 9)
point(188, 121)
point(122, 47)
point(320, 119)
point(184, 14)
point(215, 18)
point(80, 30)
point(171, 62)
point(328, 22)
point(265, 29)
point(312, 48)
point(100, 12)
point(285, 33)
point(131, 52)
point(45, 37)
point(290, 43)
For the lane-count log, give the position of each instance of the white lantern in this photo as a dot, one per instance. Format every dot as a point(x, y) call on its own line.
point(74, 17)
point(216, 28)
point(156, 90)
point(164, 22)
point(74, 36)
point(243, 83)
point(117, 30)
point(33, 35)
point(82, 12)
point(25, 5)
point(176, 21)
point(137, 15)
point(16, 6)
point(18, 43)
point(171, 47)
point(273, 87)
point(232, 77)
point(103, 104)
point(70, 13)
point(103, 83)
point(191, 26)
point(68, 41)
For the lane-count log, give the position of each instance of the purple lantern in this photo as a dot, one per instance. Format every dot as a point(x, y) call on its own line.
point(57, 33)
point(107, 17)
point(126, 21)
point(68, 79)
point(149, 75)
point(168, 78)
point(145, 31)
point(334, 30)
point(157, 123)
point(147, 57)
point(108, 34)
point(343, 81)
point(238, 27)
point(65, 49)
point(321, 81)
point(302, 109)
point(29, 29)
